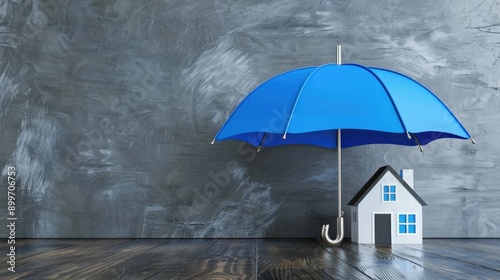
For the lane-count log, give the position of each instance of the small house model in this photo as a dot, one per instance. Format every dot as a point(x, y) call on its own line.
point(387, 210)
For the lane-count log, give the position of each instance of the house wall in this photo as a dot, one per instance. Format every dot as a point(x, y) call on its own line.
point(108, 108)
point(372, 203)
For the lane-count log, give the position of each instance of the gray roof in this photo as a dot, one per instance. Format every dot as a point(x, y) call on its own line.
point(374, 180)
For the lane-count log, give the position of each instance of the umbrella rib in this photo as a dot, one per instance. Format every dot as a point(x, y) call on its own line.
point(408, 134)
point(245, 98)
point(262, 142)
point(388, 95)
point(298, 97)
point(430, 92)
point(418, 142)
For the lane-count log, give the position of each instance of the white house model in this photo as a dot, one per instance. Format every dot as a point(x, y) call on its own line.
point(387, 210)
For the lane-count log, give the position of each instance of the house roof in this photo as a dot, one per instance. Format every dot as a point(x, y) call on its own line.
point(374, 180)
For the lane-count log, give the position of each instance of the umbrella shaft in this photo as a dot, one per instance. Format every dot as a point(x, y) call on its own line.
point(339, 147)
point(339, 177)
point(339, 54)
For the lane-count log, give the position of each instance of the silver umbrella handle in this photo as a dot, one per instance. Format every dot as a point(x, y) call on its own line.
point(340, 232)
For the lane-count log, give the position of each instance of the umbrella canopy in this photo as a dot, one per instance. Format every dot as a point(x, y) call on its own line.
point(370, 105)
point(341, 105)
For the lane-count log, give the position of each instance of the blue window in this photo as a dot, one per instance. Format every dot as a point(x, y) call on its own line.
point(407, 224)
point(389, 193)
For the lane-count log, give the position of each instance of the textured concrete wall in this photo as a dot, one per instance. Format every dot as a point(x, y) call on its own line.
point(107, 109)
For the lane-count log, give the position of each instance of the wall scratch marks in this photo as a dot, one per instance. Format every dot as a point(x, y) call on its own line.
point(107, 109)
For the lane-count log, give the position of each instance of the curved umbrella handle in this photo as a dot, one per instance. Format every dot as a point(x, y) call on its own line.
point(340, 232)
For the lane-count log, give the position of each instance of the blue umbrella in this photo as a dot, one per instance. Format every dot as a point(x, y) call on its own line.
point(340, 106)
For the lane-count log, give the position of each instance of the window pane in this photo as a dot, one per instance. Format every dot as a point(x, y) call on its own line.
point(412, 229)
point(402, 218)
point(393, 188)
point(386, 188)
point(411, 218)
point(386, 197)
point(393, 197)
point(402, 229)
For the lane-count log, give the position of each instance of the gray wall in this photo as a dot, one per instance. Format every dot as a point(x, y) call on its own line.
point(107, 109)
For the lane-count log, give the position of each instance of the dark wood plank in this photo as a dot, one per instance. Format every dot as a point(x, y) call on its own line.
point(251, 259)
point(52, 259)
point(301, 259)
point(28, 247)
point(225, 259)
point(164, 261)
point(466, 250)
point(446, 267)
point(488, 241)
point(339, 262)
point(288, 259)
point(375, 262)
point(82, 262)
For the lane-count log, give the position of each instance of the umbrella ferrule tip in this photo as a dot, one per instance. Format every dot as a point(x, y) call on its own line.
point(213, 141)
point(408, 135)
point(284, 136)
point(472, 140)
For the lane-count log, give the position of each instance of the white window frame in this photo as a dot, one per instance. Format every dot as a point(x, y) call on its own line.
point(407, 224)
point(395, 193)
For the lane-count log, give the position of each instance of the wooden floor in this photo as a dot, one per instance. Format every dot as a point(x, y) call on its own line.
point(250, 259)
